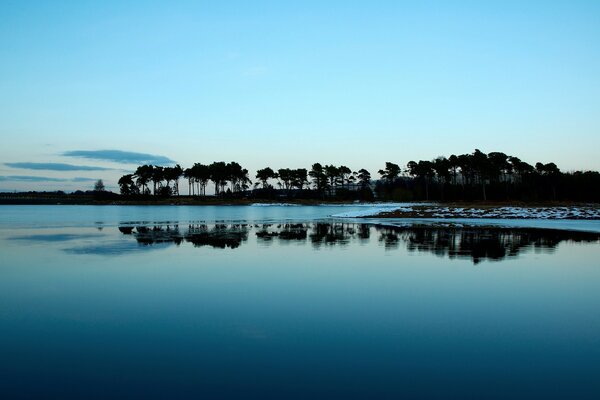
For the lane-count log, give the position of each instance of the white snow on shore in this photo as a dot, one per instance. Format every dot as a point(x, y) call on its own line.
point(432, 211)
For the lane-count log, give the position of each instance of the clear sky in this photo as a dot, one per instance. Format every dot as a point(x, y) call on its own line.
point(287, 84)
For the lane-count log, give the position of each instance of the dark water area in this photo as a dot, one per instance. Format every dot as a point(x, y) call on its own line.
point(313, 309)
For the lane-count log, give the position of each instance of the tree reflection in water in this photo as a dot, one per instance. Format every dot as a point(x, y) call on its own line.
point(476, 243)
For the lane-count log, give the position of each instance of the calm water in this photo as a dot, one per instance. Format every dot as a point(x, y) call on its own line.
point(282, 302)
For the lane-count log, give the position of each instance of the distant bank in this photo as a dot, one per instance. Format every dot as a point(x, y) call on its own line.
point(427, 209)
point(108, 198)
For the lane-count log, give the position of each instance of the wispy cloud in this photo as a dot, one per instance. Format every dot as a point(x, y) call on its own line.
point(26, 178)
point(119, 156)
point(54, 166)
point(81, 179)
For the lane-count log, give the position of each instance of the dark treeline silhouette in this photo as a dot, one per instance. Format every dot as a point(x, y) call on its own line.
point(474, 176)
point(476, 243)
point(230, 180)
point(480, 176)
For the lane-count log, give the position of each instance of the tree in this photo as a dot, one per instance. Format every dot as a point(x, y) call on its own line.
point(332, 173)
point(345, 174)
point(551, 173)
point(201, 174)
point(501, 168)
point(189, 175)
point(422, 170)
point(454, 165)
point(364, 178)
point(483, 169)
point(99, 186)
point(143, 175)
point(173, 174)
point(287, 177)
point(465, 163)
point(318, 176)
point(441, 166)
point(299, 178)
point(127, 185)
point(219, 175)
point(390, 173)
point(499, 164)
point(157, 176)
point(521, 168)
point(238, 176)
point(263, 175)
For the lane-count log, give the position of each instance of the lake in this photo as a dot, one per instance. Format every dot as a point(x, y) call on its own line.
point(286, 302)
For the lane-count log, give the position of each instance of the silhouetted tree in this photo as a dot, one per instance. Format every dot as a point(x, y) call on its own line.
point(391, 172)
point(238, 177)
point(332, 173)
point(345, 174)
point(143, 175)
point(422, 170)
point(219, 176)
point(483, 169)
point(189, 175)
point(172, 174)
point(99, 186)
point(364, 178)
point(263, 175)
point(441, 166)
point(286, 176)
point(299, 178)
point(201, 174)
point(551, 173)
point(454, 165)
point(127, 185)
point(318, 176)
point(521, 168)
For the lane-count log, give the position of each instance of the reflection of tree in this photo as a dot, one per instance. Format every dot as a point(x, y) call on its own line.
point(331, 233)
point(364, 231)
point(127, 230)
point(476, 243)
point(158, 234)
point(285, 232)
point(486, 243)
point(219, 236)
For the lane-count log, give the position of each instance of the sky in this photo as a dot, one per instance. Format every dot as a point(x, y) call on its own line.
point(91, 89)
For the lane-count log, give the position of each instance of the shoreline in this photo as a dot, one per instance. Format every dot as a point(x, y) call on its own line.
point(37, 199)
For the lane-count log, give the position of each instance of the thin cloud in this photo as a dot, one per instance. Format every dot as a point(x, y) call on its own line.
point(81, 179)
point(26, 178)
point(119, 156)
point(55, 166)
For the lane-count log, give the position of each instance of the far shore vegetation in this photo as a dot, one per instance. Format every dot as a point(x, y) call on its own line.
point(473, 177)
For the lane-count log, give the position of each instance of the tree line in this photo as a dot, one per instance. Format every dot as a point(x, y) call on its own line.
point(471, 176)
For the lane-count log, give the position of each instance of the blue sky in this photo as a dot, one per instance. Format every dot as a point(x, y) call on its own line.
point(287, 85)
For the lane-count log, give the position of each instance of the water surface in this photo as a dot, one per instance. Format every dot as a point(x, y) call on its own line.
point(121, 302)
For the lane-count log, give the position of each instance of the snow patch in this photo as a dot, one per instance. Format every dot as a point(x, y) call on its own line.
point(370, 212)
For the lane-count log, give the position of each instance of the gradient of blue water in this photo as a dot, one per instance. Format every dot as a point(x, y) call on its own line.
point(83, 215)
point(288, 320)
